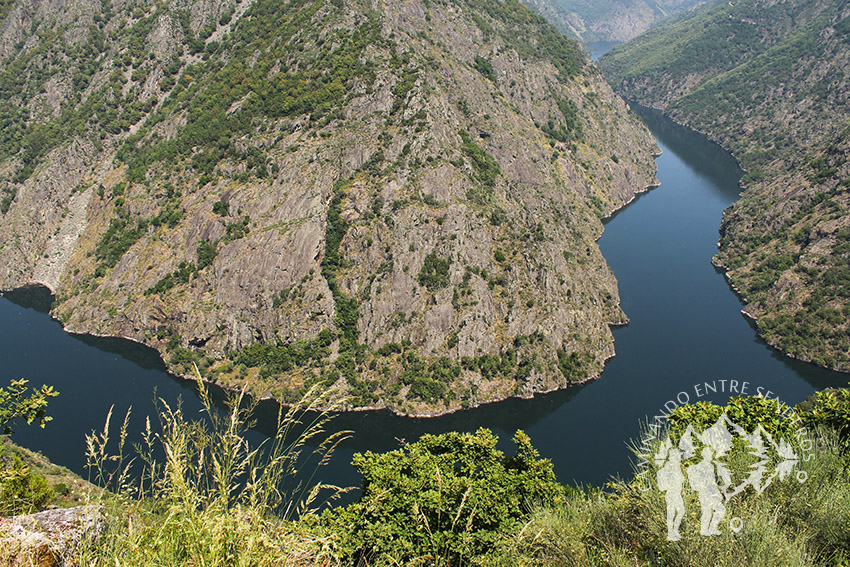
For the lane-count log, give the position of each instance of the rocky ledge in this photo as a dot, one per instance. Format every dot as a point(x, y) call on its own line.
point(48, 538)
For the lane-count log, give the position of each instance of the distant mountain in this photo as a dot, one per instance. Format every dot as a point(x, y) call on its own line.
point(608, 20)
point(401, 198)
point(769, 81)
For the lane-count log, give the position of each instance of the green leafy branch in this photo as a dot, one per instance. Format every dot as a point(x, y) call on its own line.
point(17, 401)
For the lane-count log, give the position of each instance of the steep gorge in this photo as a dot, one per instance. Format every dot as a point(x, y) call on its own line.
point(400, 198)
point(608, 20)
point(774, 92)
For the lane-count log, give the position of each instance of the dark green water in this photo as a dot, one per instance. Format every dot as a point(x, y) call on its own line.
point(686, 329)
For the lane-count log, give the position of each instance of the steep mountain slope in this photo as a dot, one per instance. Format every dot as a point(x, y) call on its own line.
point(608, 20)
point(769, 81)
point(399, 197)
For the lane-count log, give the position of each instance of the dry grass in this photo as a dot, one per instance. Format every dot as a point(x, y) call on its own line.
point(790, 524)
point(195, 492)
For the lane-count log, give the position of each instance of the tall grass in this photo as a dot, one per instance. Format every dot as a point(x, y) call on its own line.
point(195, 492)
point(789, 524)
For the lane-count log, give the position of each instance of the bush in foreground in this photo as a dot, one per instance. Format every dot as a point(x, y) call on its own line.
point(454, 500)
point(443, 500)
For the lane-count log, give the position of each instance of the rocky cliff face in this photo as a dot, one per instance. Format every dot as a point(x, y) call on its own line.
point(608, 20)
point(775, 93)
point(400, 198)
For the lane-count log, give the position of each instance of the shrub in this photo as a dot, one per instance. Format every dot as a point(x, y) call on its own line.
point(484, 67)
point(221, 208)
point(236, 230)
point(434, 274)
point(486, 168)
point(498, 216)
point(443, 500)
point(207, 252)
point(22, 491)
point(573, 366)
point(829, 408)
point(747, 411)
point(279, 358)
point(118, 238)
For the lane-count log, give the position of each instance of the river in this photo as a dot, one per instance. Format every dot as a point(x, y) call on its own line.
point(686, 329)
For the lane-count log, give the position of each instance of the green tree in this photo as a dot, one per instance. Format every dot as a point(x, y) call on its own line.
point(207, 252)
point(484, 67)
point(221, 208)
point(22, 491)
point(444, 499)
point(435, 272)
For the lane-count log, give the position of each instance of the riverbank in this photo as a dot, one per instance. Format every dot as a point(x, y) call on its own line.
point(685, 328)
point(783, 243)
point(232, 388)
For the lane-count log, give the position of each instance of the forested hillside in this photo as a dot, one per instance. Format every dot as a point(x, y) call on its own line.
point(768, 81)
point(401, 198)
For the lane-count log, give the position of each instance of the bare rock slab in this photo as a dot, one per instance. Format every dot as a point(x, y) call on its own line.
point(47, 539)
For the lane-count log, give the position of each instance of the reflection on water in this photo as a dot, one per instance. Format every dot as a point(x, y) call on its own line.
point(685, 328)
point(382, 430)
point(35, 297)
point(706, 159)
point(139, 354)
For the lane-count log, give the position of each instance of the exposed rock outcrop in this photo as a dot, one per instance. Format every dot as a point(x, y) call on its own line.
point(401, 197)
point(49, 538)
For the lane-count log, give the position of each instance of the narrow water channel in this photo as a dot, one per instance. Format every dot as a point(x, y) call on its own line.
point(686, 329)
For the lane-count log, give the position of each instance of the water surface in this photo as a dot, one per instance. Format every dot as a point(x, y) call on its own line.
point(597, 49)
point(686, 328)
